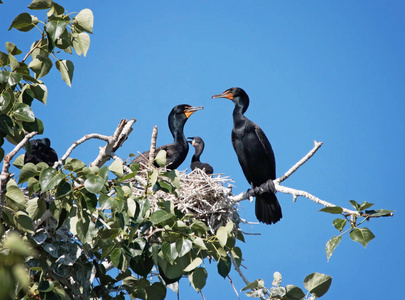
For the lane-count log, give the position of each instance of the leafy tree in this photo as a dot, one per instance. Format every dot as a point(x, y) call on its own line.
point(65, 228)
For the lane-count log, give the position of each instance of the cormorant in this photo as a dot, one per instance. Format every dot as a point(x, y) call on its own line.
point(198, 144)
point(255, 155)
point(41, 151)
point(177, 151)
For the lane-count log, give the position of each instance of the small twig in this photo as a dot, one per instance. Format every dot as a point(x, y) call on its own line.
point(5, 174)
point(35, 47)
point(233, 286)
point(300, 163)
point(245, 280)
point(153, 145)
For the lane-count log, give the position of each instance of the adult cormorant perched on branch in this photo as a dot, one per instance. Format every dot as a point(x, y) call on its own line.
point(255, 155)
point(41, 151)
point(177, 151)
point(198, 144)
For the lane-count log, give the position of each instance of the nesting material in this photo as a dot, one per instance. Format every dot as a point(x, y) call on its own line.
point(204, 196)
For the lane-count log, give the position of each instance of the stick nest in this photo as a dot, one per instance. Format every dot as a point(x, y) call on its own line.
point(204, 196)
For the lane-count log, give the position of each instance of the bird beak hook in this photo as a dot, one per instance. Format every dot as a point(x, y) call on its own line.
point(192, 109)
point(226, 94)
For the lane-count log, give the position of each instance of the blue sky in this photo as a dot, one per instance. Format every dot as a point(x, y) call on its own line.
point(314, 70)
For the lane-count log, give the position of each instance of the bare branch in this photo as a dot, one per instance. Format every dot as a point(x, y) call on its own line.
point(6, 164)
point(153, 145)
point(114, 142)
point(300, 163)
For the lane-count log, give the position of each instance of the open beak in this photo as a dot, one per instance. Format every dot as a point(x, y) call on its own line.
point(227, 94)
point(192, 109)
point(191, 138)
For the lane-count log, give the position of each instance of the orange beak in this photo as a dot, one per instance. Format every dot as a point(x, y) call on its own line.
point(192, 109)
point(227, 94)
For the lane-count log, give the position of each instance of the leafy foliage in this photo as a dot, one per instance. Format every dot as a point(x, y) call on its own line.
point(64, 233)
point(360, 235)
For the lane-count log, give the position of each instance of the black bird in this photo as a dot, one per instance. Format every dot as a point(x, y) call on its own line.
point(198, 144)
point(177, 151)
point(41, 151)
point(255, 155)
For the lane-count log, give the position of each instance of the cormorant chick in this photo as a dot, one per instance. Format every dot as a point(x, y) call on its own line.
point(198, 144)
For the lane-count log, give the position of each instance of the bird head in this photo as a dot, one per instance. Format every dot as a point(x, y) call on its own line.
point(196, 141)
point(237, 95)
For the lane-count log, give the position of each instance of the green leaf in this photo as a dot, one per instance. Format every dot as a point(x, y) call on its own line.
point(332, 210)
point(294, 292)
point(49, 178)
point(41, 65)
point(14, 64)
point(380, 213)
point(23, 112)
point(23, 221)
point(339, 224)
point(36, 208)
point(24, 22)
point(115, 257)
point(94, 183)
point(365, 205)
point(56, 9)
point(160, 216)
point(19, 162)
point(74, 165)
point(157, 291)
point(317, 284)
point(12, 49)
point(3, 59)
point(362, 235)
point(37, 126)
point(160, 158)
point(40, 4)
point(16, 196)
point(183, 246)
point(355, 205)
point(257, 284)
point(66, 69)
point(199, 243)
point(5, 101)
point(116, 167)
point(331, 245)
point(16, 244)
point(198, 278)
point(169, 251)
point(28, 170)
point(81, 43)
point(222, 235)
point(194, 264)
point(224, 266)
point(85, 20)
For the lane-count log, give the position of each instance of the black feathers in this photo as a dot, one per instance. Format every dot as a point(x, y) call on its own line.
point(41, 151)
point(198, 144)
point(177, 151)
point(255, 155)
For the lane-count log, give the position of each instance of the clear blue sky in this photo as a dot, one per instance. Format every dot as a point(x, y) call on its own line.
point(331, 71)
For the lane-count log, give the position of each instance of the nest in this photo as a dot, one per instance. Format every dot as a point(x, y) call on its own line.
point(204, 196)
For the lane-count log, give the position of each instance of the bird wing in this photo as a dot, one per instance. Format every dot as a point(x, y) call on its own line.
point(266, 146)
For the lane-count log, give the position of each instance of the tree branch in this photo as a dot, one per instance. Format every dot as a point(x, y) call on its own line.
point(113, 143)
point(153, 145)
point(300, 163)
point(274, 185)
point(5, 174)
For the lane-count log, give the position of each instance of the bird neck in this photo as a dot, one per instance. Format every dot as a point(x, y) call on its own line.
point(238, 117)
point(197, 154)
